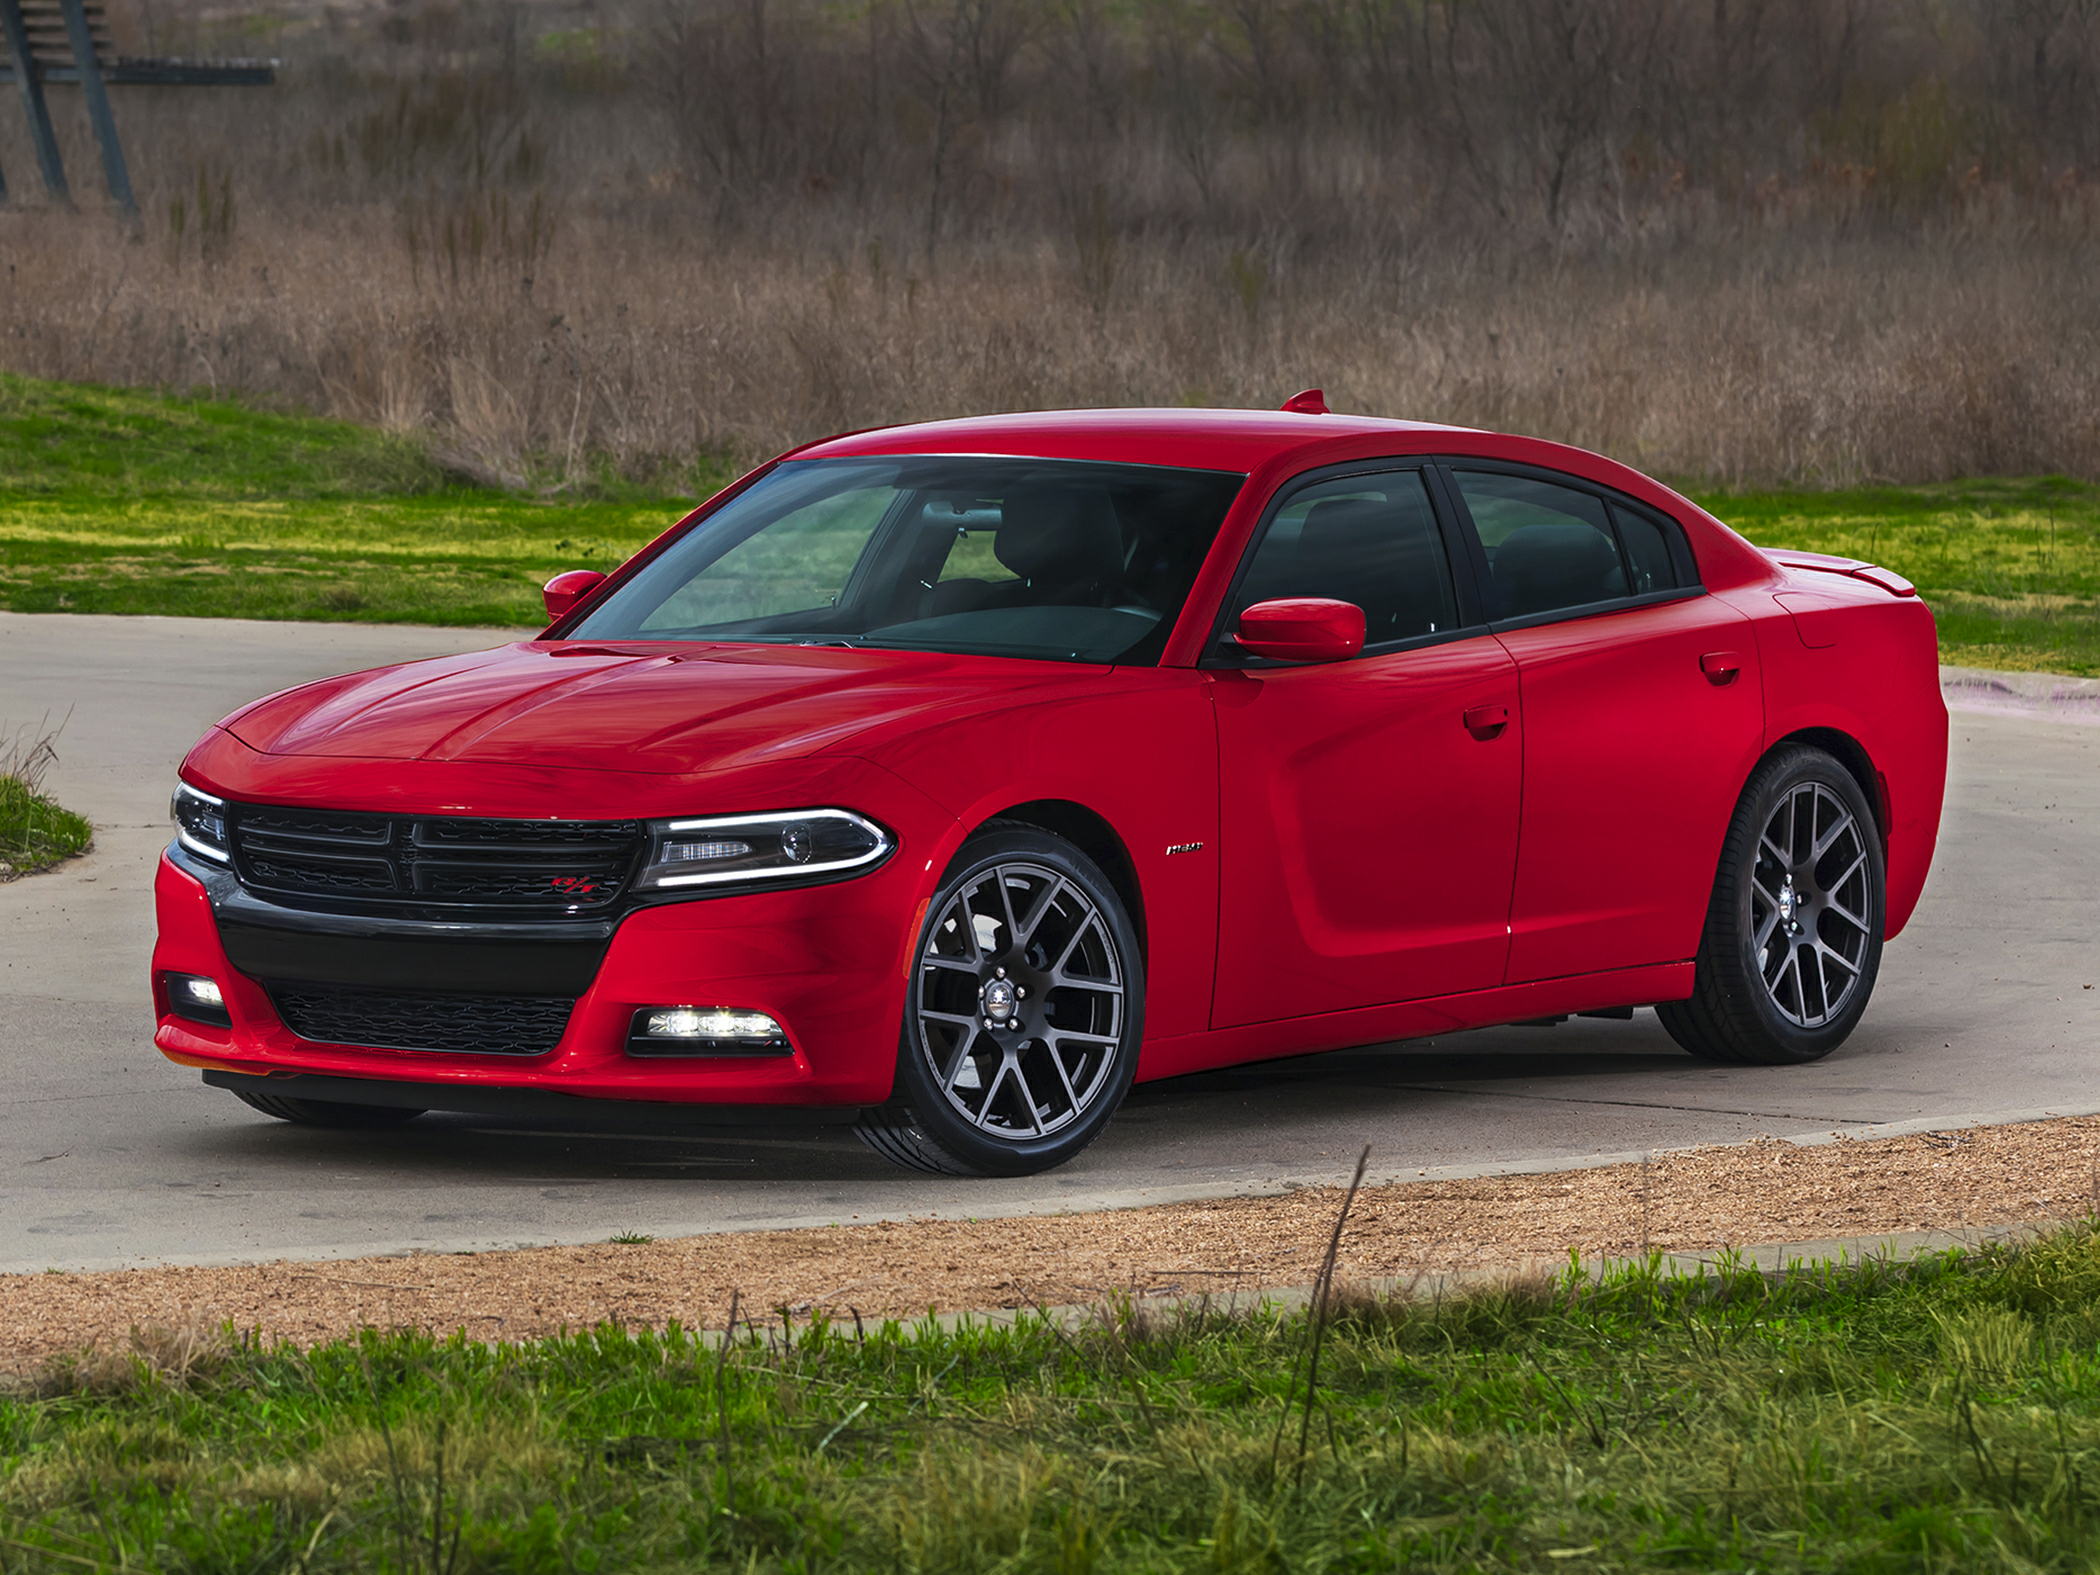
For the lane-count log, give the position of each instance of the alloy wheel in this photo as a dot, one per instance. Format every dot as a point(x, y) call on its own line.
point(1020, 1002)
point(1811, 905)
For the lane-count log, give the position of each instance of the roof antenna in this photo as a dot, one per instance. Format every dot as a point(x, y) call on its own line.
point(1312, 402)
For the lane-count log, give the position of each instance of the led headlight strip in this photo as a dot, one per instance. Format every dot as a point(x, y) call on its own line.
point(200, 822)
point(720, 850)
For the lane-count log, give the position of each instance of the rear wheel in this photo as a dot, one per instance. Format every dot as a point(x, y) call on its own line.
point(1023, 1017)
point(325, 1112)
point(1793, 935)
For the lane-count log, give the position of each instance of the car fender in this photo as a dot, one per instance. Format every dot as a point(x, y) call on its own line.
point(1139, 753)
point(1872, 677)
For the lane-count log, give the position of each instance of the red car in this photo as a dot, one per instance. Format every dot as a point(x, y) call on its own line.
point(949, 777)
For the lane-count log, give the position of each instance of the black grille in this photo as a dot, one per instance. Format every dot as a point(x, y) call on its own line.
point(523, 867)
point(455, 1024)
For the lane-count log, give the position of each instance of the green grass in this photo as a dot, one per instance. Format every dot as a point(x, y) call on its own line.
point(118, 501)
point(2012, 568)
point(123, 502)
point(1943, 1415)
point(35, 832)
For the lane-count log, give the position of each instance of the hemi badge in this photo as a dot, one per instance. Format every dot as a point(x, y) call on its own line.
point(1184, 847)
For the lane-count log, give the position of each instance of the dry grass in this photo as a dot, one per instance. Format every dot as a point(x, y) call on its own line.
point(523, 230)
point(1869, 361)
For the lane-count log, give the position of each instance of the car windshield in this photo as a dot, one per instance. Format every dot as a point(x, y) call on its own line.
point(1066, 560)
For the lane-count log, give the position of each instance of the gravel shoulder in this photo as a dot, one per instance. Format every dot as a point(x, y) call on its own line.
point(1738, 1195)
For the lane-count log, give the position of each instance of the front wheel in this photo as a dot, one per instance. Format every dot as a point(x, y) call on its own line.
point(1793, 935)
point(1023, 1017)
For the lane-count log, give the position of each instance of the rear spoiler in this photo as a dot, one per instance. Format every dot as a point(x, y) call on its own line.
point(1856, 568)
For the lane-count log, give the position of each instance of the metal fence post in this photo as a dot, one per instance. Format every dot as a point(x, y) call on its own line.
point(30, 80)
point(97, 97)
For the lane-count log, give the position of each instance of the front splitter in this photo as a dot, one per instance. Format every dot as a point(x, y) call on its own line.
point(652, 1115)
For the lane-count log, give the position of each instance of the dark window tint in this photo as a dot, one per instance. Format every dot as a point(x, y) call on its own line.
point(1371, 540)
point(1548, 547)
point(1647, 551)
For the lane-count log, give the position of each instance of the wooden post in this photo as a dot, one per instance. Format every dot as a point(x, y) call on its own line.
point(97, 97)
point(30, 80)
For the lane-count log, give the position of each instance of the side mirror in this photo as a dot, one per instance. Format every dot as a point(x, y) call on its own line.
point(1302, 629)
point(564, 591)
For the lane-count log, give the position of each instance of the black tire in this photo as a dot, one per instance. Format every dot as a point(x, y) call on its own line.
point(325, 1112)
point(1040, 1083)
point(1792, 943)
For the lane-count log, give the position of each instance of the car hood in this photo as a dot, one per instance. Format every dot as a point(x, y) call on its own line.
point(642, 708)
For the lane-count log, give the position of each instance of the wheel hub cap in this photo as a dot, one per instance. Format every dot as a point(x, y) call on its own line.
point(1001, 1000)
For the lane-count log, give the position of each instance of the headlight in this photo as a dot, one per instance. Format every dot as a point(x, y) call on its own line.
point(723, 849)
point(200, 822)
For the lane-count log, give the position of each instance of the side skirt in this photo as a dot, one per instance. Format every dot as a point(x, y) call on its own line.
point(1444, 1014)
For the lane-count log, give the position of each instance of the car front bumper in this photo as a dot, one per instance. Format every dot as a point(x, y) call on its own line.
point(827, 962)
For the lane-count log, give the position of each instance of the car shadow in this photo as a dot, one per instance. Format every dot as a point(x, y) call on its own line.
point(1290, 1101)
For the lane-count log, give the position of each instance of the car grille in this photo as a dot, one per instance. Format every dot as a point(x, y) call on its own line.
point(553, 867)
point(443, 1024)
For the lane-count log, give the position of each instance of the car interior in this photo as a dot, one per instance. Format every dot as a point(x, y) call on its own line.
point(1070, 562)
point(1378, 548)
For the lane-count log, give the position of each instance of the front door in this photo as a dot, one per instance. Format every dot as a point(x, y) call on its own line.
point(1368, 807)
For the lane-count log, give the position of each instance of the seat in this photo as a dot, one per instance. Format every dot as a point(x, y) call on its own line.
point(1372, 553)
point(1561, 563)
point(1066, 545)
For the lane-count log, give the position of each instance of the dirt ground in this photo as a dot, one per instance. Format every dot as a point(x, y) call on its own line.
point(1742, 1195)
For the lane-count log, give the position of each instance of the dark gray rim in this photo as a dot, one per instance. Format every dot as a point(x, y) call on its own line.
point(1019, 1005)
point(1811, 905)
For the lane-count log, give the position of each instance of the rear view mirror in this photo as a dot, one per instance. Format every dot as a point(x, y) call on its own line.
point(564, 591)
point(1302, 629)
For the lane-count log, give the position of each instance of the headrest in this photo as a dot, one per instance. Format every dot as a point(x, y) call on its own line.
point(1067, 533)
point(1345, 529)
point(1557, 564)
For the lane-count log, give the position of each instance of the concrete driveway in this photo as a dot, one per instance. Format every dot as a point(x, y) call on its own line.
point(110, 1155)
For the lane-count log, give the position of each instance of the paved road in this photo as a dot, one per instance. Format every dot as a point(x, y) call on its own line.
point(110, 1155)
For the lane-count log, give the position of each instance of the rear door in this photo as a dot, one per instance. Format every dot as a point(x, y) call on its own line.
point(1368, 834)
point(1643, 716)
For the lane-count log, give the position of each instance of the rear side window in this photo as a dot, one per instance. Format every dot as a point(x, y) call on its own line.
point(1548, 547)
point(1648, 563)
point(1370, 540)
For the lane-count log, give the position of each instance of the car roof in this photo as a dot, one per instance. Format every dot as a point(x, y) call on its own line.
point(1251, 441)
point(1239, 440)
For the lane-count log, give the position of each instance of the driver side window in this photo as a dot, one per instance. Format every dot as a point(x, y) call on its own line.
point(1371, 540)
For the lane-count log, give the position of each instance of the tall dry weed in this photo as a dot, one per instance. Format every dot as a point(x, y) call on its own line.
point(560, 239)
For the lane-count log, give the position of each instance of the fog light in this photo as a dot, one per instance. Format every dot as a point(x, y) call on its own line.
point(198, 997)
point(705, 1030)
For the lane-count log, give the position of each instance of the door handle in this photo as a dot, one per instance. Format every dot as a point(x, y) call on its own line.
point(1487, 721)
point(1720, 667)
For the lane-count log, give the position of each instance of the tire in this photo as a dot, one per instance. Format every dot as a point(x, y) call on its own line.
point(1024, 912)
point(1792, 943)
point(325, 1112)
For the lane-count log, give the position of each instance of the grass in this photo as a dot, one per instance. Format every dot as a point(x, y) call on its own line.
point(35, 832)
point(117, 501)
point(1941, 1415)
point(2012, 568)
